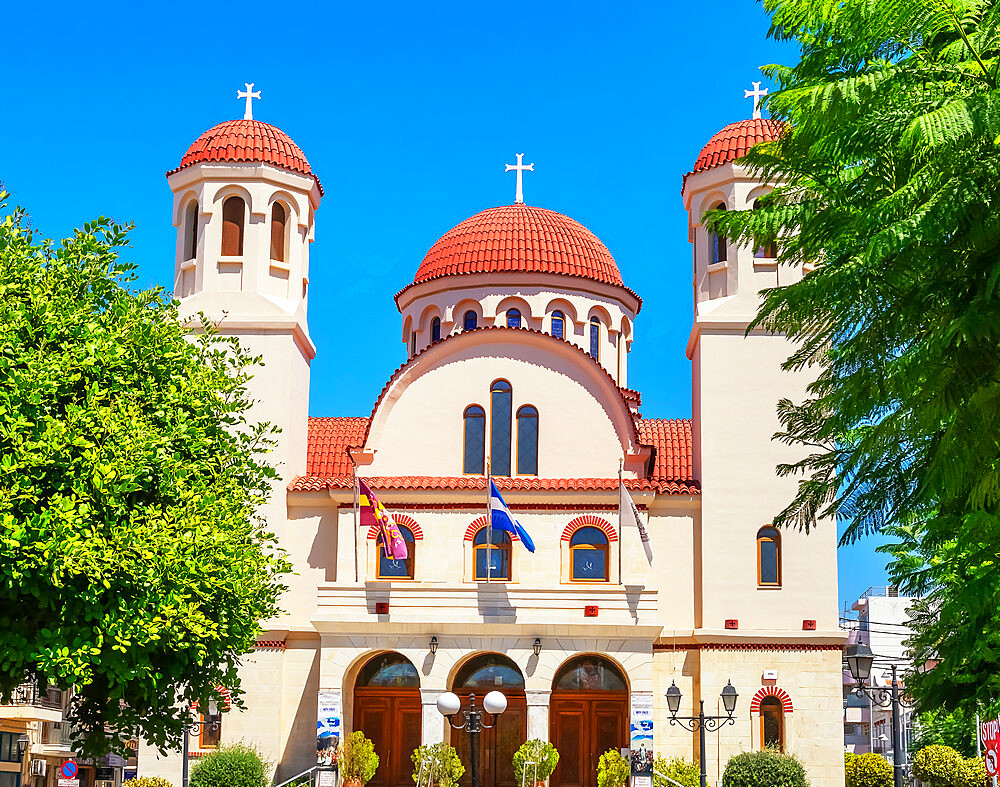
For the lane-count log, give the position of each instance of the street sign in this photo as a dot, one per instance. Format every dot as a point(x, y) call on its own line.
point(69, 770)
point(69, 783)
point(989, 732)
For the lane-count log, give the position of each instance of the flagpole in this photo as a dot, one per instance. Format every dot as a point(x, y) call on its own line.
point(620, 542)
point(489, 524)
point(357, 503)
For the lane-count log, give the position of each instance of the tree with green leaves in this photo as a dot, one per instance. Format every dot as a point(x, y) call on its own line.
point(887, 196)
point(133, 566)
point(938, 728)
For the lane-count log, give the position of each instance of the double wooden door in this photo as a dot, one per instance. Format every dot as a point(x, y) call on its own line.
point(495, 747)
point(582, 726)
point(390, 718)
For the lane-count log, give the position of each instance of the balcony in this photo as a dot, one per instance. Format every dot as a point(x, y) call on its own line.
point(480, 608)
point(29, 703)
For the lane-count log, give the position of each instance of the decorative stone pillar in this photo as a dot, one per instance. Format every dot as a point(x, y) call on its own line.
point(538, 714)
point(431, 721)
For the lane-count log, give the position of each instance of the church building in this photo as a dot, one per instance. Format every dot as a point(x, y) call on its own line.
point(516, 330)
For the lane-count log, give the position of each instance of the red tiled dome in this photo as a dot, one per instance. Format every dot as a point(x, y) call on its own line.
point(735, 141)
point(247, 141)
point(523, 239)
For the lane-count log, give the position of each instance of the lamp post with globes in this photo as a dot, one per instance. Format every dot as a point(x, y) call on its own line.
point(494, 704)
point(196, 726)
point(701, 722)
point(859, 661)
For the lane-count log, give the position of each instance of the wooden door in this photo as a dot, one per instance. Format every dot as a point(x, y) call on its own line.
point(582, 726)
point(495, 747)
point(391, 719)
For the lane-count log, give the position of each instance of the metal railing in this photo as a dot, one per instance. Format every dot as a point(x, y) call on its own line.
point(667, 778)
point(30, 694)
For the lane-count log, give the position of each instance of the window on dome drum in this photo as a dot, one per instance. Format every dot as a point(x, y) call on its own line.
point(717, 243)
point(588, 555)
point(499, 555)
point(436, 329)
point(558, 324)
point(471, 321)
point(595, 338)
point(768, 557)
point(474, 462)
point(396, 569)
point(513, 318)
point(527, 440)
point(500, 413)
point(772, 723)
point(768, 250)
point(211, 733)
point(278, 222)
point(191, 230)
point(413, 343)
point(233, 212)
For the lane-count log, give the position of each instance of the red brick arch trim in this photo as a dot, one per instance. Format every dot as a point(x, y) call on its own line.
point(470, 531)
point(771, 691)
point(589, 520)
point(399, 519)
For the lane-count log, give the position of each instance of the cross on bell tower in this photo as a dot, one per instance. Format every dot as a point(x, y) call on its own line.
point(757, 95)
point(249, 94)
point(519, 167)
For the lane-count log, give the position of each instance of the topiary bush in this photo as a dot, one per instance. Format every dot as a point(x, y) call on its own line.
point(149, 781)
point(937, 766)
point(678, 769)
point(448, 768)
point(237, 765)
point(766, 768)
point(867, 770)
point(538, 751)
point(357, 758)
point(972, 773)
point(612, 769)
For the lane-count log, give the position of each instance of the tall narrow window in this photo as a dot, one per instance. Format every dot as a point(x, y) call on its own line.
point(500, 413)
point(233, 212)
point(413, 343)
point(768, 557)
point(772, 724)
point(770, 249)
point(513, 318)
point(389, 568)
point(436, 329)
point(595, 338)
point(471, 320)
point(558, 324)
point(211, 731)
point(191, 230)
point(527, 440)
point(278, 222)
point(588, 555)
point(717, 243)
point(474, 449)
point(498, 554)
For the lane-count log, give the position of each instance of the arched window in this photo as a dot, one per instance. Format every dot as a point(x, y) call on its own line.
point(588, 555)
point(768, 250)
point(499, 555)
point(488, 672)
point(278, 223)
point(390, 670)
point(768, 557)
point(471, 320)
point(500, 413)
point(558, 324)
point(388, 568)
point(595, 338)
point(474, 451)
point(589, 673)
point(717, 243)
point(436, 329)
point(413, 343)
point(233, 212)
point(527, 440)
point(513, 318)
point(772, 723)
point(191, 230)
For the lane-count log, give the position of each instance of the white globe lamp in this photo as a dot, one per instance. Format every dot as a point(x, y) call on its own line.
point(495, 703)
point(448, 704)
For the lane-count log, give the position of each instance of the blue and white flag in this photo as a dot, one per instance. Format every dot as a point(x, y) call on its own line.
point(502, 519)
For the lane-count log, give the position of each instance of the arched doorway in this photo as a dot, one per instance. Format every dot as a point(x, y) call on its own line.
point(496, 746)
point(387, 710)
point(588, 715)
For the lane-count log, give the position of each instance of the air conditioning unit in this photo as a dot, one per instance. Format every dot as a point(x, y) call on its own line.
point(38, 767)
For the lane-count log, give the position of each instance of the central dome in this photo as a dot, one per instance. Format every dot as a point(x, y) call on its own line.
point(523, 239)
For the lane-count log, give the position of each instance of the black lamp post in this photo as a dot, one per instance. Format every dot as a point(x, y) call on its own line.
point(859, 661)
point(23, 742)
point(701, 722)
point(449, 705)
point(196, 726)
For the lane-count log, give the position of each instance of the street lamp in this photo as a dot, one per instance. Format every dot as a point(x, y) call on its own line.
point(859, 661)
point(449, 705)
point(701, 722)
point(22, 745)
point(195, 727)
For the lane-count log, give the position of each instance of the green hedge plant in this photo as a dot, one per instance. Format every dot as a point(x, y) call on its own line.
point(149, 781)
point(537, 751)
point(357, 759)
point(867, 770)
point(937, 766)
point(448, 768)
point(236, 765)
point(612, 769)
point(766, 768)
point(972, 773)
point(677, 768)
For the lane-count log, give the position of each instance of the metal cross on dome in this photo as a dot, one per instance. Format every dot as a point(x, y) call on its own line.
point(520, 168)
point(249, 95)
point(757, 94)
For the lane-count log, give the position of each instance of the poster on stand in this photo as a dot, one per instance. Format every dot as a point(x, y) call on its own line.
point(641, 741)
point(328, 728)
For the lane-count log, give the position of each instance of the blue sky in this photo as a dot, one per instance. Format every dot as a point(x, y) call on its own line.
point(408, 113)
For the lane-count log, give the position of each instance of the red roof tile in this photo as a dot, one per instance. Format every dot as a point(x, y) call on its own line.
point(735, 141)
point(328, 441)
point(247, 141)
point(673, 446)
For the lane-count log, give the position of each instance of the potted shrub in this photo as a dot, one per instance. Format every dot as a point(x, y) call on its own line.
point(768, 766)
point(677, 768)
point(867, 770)
point(238, 765)
point(448, 769)
point(612, 769)
point(357, 760)
point(535, 751)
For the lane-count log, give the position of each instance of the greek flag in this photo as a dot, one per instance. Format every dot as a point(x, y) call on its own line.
point(502, 519)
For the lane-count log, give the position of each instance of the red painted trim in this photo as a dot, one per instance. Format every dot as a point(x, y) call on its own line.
point(511, 506)
point(771, 691)
point(747, 646)
point(269, 644)
point(399, 519)
point(479, 524)
point(588, 520)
